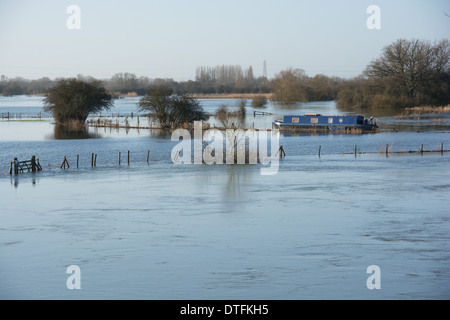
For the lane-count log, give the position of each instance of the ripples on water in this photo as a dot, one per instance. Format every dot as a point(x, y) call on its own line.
point(161, 231)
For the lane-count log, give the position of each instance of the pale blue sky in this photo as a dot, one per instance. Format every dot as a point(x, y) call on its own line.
point(171, 38)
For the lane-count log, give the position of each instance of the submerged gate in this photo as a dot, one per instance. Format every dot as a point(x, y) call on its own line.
point(17, 166)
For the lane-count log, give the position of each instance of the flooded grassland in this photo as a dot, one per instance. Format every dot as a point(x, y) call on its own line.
point(156, 230)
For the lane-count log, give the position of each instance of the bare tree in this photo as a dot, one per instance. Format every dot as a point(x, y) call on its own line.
point(171, 110)
point(412, 67)
point(232, 119)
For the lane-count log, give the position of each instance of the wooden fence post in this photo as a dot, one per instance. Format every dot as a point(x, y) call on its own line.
point(33, 164)
point(16, 163)
point(63, 165)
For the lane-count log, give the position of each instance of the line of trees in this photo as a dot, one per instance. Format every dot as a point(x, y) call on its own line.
point(229, 79)
point(294, 85)
point(20, 86)
point(289, 86)
point(72, 100)
point(407, 73)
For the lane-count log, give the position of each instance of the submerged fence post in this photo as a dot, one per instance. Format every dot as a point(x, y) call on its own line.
point(33, 164)
point(95, 161)
point(92, 161)
point(119, 158)
point(63, 165)
point(148, 156)
point(281, 152)
point(78, 159)
point(320, 147)
point(355, 150)
point(16, 164)
point(421, 149)
point(442, 148)
point(128, 157)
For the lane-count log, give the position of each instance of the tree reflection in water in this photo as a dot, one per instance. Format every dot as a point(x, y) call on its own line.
point(70, 132)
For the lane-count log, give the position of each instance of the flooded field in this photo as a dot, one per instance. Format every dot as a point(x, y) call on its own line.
point(163, 231)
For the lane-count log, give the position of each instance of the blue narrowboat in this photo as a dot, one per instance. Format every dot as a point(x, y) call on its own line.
point(318, 122)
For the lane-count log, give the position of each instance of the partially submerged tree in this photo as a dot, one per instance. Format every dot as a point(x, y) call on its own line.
point(171, 110)
point(408, 73)
point(232, 119)
point(414, 69)
point(259, 102)
point(289, 86)
point(72, 100)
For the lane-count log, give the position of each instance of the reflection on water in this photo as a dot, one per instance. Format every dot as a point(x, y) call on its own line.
point(15, 180)
point(239, 177)
point(64, 132)
point(293, 106)
point(375, 112)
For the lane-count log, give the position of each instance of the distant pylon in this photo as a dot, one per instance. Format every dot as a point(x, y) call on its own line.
point(265, 69)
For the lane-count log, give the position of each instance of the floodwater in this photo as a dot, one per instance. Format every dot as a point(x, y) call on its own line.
point(163, 231)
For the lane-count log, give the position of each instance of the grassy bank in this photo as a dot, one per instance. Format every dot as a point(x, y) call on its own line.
point(418, 111)
point(231, 96)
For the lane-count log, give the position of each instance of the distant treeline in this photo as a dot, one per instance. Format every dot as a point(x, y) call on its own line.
point(407, 74)
point(208, 80)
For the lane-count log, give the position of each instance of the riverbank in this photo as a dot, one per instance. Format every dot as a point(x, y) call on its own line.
point(201, 96)
point(421, 111)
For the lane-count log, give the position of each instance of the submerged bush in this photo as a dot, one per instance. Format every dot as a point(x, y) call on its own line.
point(259, 102)
point(72, 100)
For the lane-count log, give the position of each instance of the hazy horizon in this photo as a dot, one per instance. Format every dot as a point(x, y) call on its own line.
point(171, 39)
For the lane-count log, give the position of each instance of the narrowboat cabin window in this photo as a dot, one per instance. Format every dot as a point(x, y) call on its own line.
point(314, 120)
point(330, 120)
point(341, 120)
point(295, 120)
